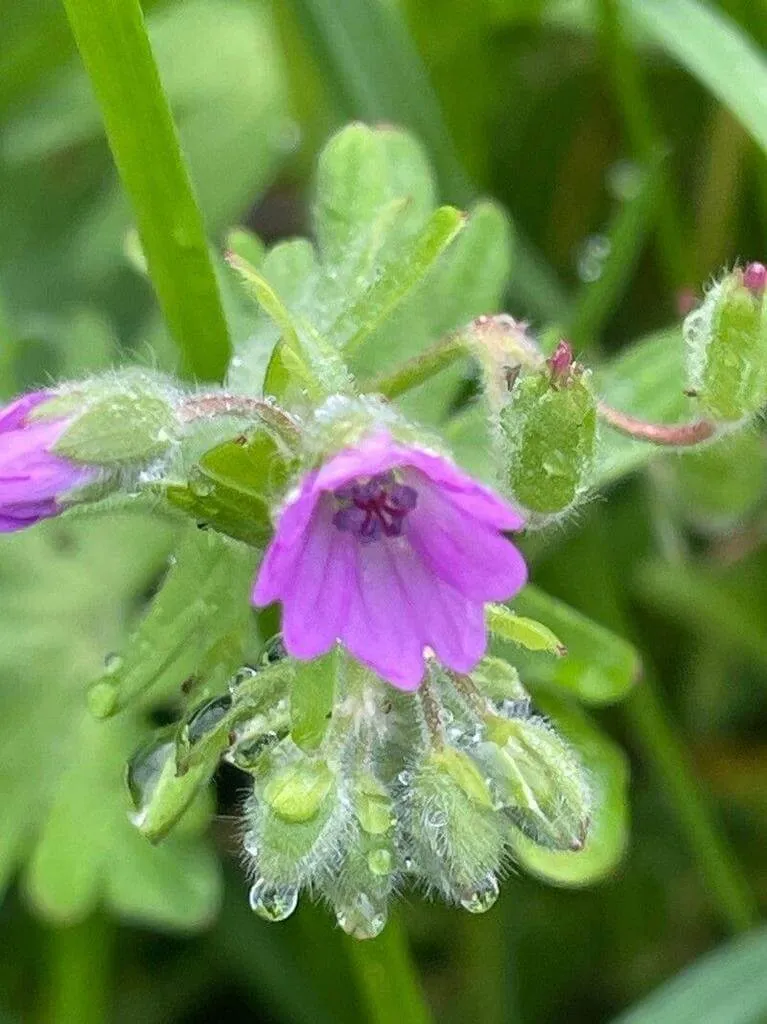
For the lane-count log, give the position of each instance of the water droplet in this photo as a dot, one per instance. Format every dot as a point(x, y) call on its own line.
point(146, 767)
point(435, 818)
point(250, 844)
point(103, 698)
point(200, 484)
point(113, 663)
point(591, 258)
point(273, 902)
point(624, 180)
point(364, 920)
point(272, 651)
point(241, 676)
point(380, 861)
point(478, 899)
point(404, 778)
point(206, 717)
point(245, 755)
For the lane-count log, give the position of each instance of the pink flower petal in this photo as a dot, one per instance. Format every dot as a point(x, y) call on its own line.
point(477, 561)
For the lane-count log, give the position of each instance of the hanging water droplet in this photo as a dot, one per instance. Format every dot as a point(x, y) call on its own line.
point(103, 698)
point(273, 902)
point(145, 768)
point(380, 861)
point(364, 920)
point(478, 899)
point(272, 651)
point(200, 484)
point(206, 717)
point(591, 258)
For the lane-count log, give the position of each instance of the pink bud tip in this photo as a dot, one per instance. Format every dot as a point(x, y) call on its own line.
point(755, 278)
point(561, 363)
point(686, 301)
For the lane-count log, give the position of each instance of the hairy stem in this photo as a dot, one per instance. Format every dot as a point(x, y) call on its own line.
point(675, 435)
point(79, 973)
point(208, 406)
point(387, 977)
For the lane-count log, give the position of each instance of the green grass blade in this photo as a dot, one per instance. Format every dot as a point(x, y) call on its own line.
point(728, 986)
point(716, 52)
point(113, 43)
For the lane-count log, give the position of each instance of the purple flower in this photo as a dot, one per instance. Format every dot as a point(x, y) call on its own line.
point(389, 549)
point(32, 478)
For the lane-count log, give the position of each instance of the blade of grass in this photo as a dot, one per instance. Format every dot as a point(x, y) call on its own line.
point(715, 51)
point(114, 46)
point(643, 136)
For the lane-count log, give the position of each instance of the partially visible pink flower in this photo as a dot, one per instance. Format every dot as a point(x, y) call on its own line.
point(32, 477)
point(390, 549)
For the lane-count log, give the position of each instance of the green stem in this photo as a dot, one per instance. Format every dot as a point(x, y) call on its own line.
point(726, 885)
point(644, 139)
point(418, 370)
point(80, 967)
point(113, 43)
point(387, 977)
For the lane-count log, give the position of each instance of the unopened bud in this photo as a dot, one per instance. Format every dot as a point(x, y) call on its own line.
point(726, 340)
point(549, 423)
point(458, 837)
point(539, 780)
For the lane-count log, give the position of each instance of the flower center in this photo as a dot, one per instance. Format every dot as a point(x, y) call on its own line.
point(374, 507)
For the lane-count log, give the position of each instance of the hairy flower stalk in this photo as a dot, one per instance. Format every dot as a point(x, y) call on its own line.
point(390, 549)
point(34, 481)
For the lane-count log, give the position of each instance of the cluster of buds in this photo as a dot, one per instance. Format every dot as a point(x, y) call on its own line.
point(426, 789)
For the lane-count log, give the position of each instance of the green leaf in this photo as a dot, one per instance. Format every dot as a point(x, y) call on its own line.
point(727, 986)
point(716, 51)
point(647, 380)
point(599, 667)
point(67, 591)
point(312, 696)
point(203, 601)
point(403, 274)
point(111, 35)
point(607, 771)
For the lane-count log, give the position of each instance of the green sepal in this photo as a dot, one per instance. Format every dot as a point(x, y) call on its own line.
point(311, 699)
point(127, 427)
point(727, 351)
point(551, 433)
point(297, 793)
point(528, 633)
point(465, 773)
point(235, 485)
point(160, 795)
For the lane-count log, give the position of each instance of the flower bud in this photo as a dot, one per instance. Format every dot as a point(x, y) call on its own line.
point(457, 837)
point(726, 339)
point(117, 421)
point(549, 424)
point(539, 781)
point(295, 829)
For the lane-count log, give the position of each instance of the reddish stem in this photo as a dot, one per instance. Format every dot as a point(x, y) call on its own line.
point(206, 406)
point(675, 435)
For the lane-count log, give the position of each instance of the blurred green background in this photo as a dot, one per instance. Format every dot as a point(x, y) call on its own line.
point(626, 140)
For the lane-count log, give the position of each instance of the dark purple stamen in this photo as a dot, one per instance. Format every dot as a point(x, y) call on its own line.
point(374, 507)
